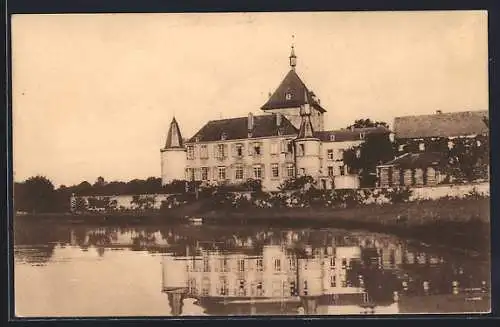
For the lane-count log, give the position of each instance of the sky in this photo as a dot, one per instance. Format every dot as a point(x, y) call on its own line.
point(94, 94)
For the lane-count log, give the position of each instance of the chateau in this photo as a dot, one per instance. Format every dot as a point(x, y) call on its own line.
point(287, 140)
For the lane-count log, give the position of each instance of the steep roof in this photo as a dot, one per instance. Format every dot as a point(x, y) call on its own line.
point(237, 128)
point(441, 124)
point(291, 84)
point(418, 160)
point(354, 134)
point(174, 137)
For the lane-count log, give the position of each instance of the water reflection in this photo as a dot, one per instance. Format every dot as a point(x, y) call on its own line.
point(244, 271)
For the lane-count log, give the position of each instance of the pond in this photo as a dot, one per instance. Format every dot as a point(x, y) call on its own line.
point(64, 270)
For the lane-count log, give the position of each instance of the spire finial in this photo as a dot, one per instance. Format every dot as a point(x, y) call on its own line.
point(293, 57)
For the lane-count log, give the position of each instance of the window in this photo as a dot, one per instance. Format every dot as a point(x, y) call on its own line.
point(192, 286)
point(259, 265)
point(223, 265)
point(329, 154)
point(290, 146)
point(302, 149)
point(190, 152)
point(239, 173)
point(223, 136)
point(277, 264)
point(242, 290)
point(332, 262)
point(221, 151)
point(260, 289)
point(332, 137)
point(257, 172)
point(333, 282)
point(290, 170)
point(257, 150)
point(275, 170)
point(274, 148)
point(291, 263)
point(241, 265)
point(239, 150)
point(421, 146)
point(190, 174)
point(330, 171)
point(203, 151)
point(206, 266)
point(204, 173)
point(222, 173)
point(342, 170)
point(302, 171)
point(361, 136)
point(224, 290)
point(288, 96)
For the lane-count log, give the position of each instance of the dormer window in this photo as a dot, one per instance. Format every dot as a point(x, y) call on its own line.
point(223, 136)
point(361, 136)
point(288, 95)
point(332, 137)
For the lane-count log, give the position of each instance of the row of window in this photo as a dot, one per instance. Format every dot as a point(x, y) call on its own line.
point(257, 172)
point(242, 265)
point(255, 149)
point(221, 172)
point(221, 151)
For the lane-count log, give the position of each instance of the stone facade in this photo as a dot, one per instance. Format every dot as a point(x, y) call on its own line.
point(288, 140)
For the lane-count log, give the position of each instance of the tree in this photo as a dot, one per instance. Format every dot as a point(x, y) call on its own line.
point(364, 159)
point(364, 123)
point(297, 183)
point(35, 195)
point(80, 205)
point(143, 202)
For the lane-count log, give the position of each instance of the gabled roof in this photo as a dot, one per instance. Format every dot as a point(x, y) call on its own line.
point(355, 134)
point(291, 84)
point(174, 137)
point(450, 124)
point(418, 160)
point(237, 128)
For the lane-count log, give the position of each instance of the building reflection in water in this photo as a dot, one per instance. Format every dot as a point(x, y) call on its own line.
point(219, 271)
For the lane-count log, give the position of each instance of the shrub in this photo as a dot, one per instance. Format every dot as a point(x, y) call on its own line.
point(399, 194)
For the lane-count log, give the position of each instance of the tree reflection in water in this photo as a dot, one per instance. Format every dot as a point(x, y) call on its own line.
point(386, 265)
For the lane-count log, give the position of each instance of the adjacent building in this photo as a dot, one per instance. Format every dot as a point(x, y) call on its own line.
point(424, 142)
point(288, 139)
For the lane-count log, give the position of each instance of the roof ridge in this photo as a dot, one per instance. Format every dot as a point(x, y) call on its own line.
point(443, 113)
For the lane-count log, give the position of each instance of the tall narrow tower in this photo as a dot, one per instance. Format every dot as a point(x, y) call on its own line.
point(307, 146)
point(173, 155)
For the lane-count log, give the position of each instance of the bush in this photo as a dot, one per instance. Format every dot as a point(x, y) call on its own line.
point(399, 194)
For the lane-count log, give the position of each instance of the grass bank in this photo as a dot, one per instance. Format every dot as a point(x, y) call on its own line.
point(461, 223)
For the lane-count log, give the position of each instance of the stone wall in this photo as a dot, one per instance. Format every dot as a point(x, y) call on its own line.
point(441, 191)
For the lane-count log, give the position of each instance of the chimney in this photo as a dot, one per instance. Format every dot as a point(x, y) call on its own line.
point(278, 119)
point(250, 122)
point(438, 112)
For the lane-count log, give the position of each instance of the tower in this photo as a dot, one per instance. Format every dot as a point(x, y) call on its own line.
point(307, 146)
point(291, 94)
point(173, 155)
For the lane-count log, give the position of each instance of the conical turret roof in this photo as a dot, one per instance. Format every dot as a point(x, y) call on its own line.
point(174, 137)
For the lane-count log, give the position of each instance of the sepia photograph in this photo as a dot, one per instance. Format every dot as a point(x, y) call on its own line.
point(250, 164)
